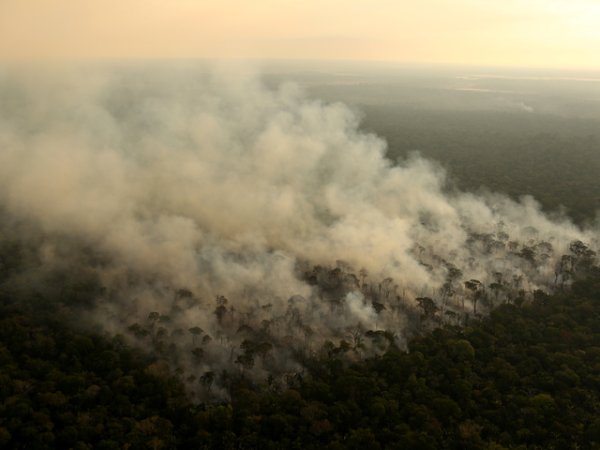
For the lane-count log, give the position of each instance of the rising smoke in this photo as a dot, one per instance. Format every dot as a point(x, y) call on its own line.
point(228, 226)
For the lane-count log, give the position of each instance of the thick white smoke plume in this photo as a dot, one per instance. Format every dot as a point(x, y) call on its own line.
point(231, 226)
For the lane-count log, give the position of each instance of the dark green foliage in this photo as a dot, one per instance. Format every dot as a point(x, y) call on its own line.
point(526, 377)
point(551, 157)
point(60, 388)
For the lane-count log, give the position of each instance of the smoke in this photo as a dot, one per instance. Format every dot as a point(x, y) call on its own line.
point(264, 221)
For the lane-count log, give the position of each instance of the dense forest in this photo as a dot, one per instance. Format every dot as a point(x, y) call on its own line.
point(195, 261)
point(553, 158)
point(527, 376)
point(521, 134)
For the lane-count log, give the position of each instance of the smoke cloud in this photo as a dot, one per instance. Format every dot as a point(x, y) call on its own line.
point(231, 226)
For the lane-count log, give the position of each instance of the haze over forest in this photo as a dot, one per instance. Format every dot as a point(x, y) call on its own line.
point(258, 234)
point(172, 187)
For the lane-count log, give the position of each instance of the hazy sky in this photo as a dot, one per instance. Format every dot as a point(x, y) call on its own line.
point(555, 33)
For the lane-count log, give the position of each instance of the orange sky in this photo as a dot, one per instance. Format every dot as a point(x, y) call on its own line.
point(553, 33)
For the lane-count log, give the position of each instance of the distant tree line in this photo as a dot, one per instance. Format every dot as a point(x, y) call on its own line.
point(552, 157)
